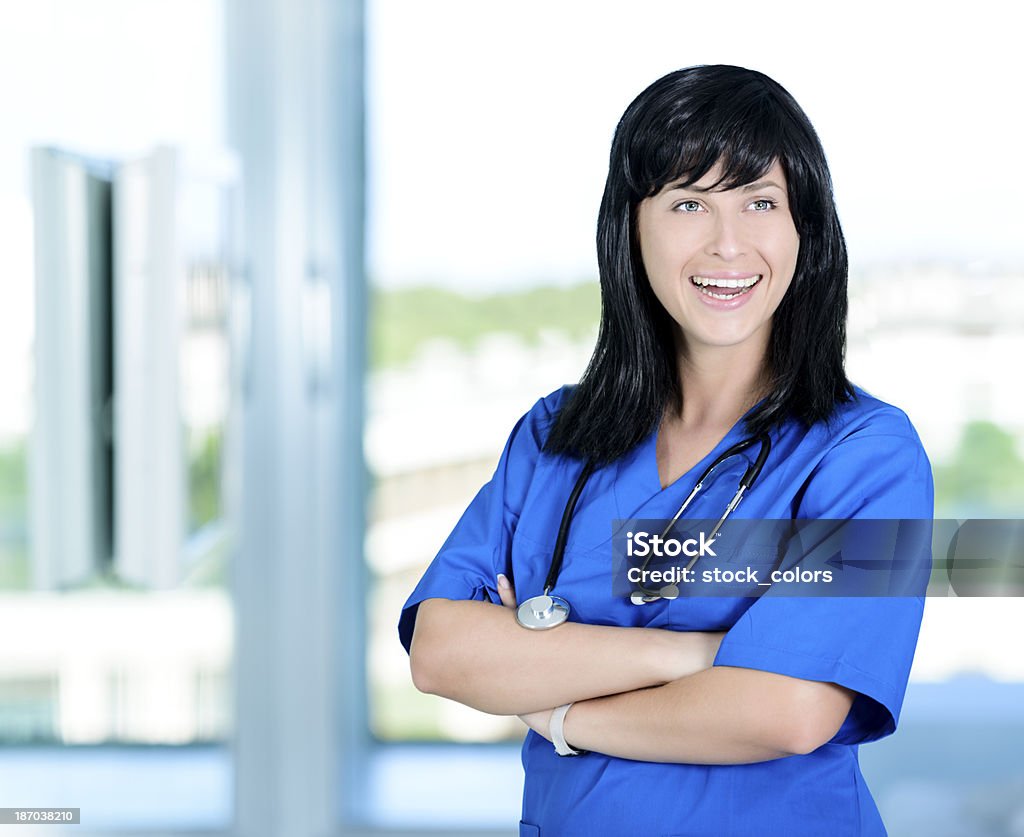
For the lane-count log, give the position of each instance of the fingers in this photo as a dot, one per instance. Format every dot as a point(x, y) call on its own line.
point(508, 595)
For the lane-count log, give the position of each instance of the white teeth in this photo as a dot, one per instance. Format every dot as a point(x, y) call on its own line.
point(706, 292)
point(743, 285)
point(705, 281)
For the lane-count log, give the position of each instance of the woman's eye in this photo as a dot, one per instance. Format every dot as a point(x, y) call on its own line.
point(763, 204)
point(688, 206)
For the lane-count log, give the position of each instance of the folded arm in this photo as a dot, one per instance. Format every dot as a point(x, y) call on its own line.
point(710, 715)
point(722, 715)
point(638, 693)
point(477, 654)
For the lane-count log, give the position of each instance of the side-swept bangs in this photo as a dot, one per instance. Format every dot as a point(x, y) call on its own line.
point(729, 131)
point(745, 122)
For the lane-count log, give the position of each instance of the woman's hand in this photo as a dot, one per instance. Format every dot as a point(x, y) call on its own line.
point(508, 595)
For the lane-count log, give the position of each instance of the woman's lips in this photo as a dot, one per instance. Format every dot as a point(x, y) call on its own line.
point(725, 291)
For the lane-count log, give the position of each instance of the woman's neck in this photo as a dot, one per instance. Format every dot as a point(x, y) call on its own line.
point(719, 384)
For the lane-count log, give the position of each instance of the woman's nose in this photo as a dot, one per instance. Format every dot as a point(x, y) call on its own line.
point(725, 238)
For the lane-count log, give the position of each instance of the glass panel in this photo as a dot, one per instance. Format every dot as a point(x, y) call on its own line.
point(481, 259)
point(468, 329)
point(98, 660)
point(487, 158)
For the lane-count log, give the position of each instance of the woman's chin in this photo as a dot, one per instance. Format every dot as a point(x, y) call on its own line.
point(725, 338)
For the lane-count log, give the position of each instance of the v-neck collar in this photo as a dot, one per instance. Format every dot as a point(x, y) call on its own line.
point(637, 481)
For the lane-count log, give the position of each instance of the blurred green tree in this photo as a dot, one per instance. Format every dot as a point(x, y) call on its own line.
point(983, 478)
point(404, 319)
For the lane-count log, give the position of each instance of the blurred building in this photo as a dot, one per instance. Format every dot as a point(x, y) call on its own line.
point(938, 341)
point(106, 666)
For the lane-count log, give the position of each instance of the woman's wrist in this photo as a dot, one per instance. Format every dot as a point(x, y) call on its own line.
point(557, 732)
point(566, 727)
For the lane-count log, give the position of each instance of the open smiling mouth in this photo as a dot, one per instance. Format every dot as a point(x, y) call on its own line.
point(725, 288)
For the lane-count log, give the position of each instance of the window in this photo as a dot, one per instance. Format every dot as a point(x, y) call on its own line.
point(488, 144)
point(102, 657)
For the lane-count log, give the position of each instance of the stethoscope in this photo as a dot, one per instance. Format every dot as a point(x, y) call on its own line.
point(547, 611)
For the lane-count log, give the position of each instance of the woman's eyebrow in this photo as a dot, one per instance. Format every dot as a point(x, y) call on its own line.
point(750, 187)
point(761, 184)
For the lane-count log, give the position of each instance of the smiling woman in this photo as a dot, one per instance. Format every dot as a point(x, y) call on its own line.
point(708, 251)
point(723, 283)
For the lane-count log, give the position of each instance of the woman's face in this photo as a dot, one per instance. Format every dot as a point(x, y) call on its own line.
point(720, 262)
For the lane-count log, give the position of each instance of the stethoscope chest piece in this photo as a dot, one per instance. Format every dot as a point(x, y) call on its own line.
point(541, 612)
point(669, 592)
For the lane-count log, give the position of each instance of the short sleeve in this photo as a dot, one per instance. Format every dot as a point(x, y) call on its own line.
point(467, 565)
point(866, 644)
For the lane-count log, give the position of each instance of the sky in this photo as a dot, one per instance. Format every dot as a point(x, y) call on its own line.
point(490, 124)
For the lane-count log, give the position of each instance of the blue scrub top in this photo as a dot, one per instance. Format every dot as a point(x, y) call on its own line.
point(867, 462)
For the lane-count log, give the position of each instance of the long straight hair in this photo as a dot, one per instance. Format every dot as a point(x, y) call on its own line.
point(676, 131)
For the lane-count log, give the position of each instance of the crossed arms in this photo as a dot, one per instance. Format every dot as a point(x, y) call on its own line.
point(649, 694)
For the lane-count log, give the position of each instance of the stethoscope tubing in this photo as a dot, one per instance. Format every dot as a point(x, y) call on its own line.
point(555, 569)
point(539, 611)
point(746, 481)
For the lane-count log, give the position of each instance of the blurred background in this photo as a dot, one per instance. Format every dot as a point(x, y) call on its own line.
point(280, 277)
